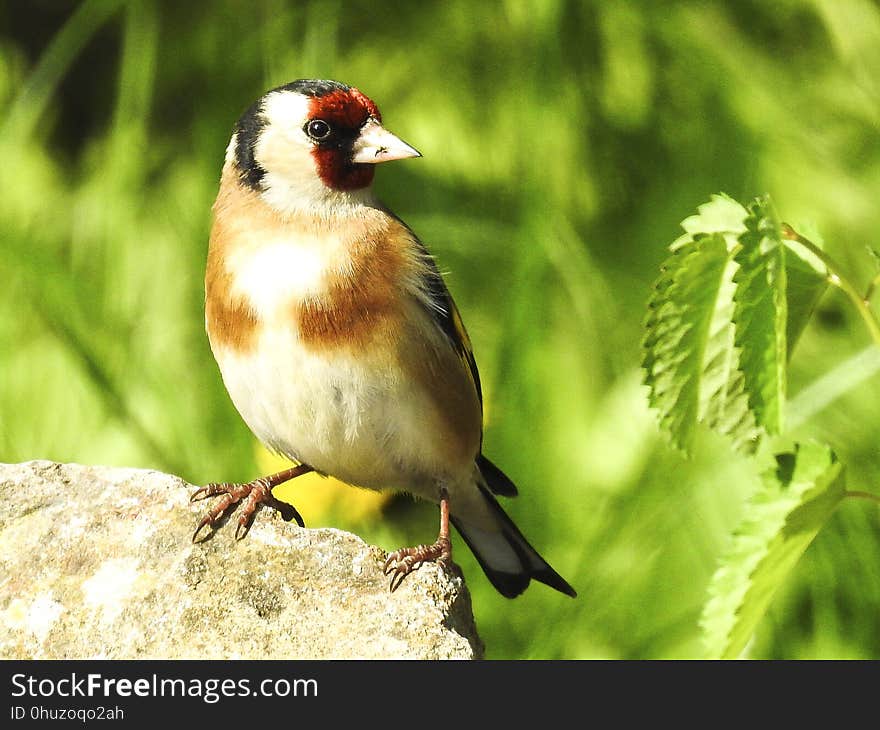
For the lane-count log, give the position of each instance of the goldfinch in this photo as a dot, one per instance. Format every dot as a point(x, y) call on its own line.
point(337, 338)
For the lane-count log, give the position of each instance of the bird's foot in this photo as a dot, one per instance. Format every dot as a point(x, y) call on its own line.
point(402, 562)
point(253, 494)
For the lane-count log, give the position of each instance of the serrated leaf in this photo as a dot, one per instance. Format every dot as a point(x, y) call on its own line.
point(722, 214)
point(677, 332)
point(760, 314)
point(724, 404)
point(690, 359)
point(793, 503)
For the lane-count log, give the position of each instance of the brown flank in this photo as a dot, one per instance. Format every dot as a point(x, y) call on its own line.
point(229, 320)
point(362, 306)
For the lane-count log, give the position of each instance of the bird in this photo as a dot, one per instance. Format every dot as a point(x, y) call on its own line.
point(337, 339)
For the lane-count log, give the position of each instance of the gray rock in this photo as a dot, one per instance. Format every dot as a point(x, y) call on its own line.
point(97, 562)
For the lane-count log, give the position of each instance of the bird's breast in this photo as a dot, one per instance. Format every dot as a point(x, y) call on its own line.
point(332, 283)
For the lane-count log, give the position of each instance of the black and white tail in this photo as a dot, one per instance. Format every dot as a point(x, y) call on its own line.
point(505, 555)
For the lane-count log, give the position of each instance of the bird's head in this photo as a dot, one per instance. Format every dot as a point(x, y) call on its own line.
point(310, 144)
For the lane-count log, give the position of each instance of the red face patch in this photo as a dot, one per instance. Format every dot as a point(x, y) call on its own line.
point(367, 103)
point(344, 109)
point(346, 112)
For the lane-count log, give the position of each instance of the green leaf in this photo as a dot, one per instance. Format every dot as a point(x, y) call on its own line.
point(724, 403)
point(689, 356)
point(760, 314)
point(794, 501)
point(806, 282)
point(678, 327)
point(722, 214)
point(875, 256)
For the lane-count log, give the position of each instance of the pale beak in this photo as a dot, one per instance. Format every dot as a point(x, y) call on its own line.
point(376, 144)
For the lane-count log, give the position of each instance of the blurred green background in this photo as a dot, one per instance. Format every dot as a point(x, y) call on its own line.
point(562, 142)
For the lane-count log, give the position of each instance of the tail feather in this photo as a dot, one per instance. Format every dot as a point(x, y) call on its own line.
point(497, 481)
point(505, 555)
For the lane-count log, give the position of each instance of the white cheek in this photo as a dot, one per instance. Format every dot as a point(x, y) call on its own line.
point(286, 156)
point(295, 189)
point(283, 150)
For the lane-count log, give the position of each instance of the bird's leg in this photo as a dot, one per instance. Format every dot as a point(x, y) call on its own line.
point(254, 493)
point(402, 562)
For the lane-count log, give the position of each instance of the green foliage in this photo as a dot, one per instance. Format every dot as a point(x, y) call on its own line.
point(760, 315)
point(805, 283)
point(722, 322)
point(795, 500)
point(715, 343)
point(562, 142)
point(688, 350)
point(766, 302)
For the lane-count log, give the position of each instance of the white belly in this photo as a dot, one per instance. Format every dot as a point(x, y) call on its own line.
point(344, 414)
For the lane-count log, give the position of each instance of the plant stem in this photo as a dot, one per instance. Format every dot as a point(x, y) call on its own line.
point(862, 495)
point(830, 386)
point(836, 278)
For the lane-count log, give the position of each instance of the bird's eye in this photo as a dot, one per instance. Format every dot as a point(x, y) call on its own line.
point(318, 129)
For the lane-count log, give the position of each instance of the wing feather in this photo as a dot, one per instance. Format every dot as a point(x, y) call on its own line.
point(448, 319)
point(441, 308)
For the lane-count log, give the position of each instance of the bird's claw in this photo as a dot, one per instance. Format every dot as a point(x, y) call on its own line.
point(210, 490)
point(401, 563)
point(253, 494)
point(206, 520)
